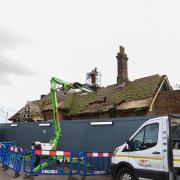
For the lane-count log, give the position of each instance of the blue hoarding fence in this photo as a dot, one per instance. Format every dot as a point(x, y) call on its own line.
point(95, 163)
point(66, 163)
point(50, 162)
point(8, 144)
point(2, 150)
point(11, 157)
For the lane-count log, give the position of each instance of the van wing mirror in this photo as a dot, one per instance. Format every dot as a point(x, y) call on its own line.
point(127, 145)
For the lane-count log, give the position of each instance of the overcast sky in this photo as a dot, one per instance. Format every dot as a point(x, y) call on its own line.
point(44, 38)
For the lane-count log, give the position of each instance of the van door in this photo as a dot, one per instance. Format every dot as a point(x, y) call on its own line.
point(145, 150)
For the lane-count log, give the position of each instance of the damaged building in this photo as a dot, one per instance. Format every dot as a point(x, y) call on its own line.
point(151, 95)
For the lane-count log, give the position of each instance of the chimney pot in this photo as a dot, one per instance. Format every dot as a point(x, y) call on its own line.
point(94, 77)
point(121, 50)
point(42, 96)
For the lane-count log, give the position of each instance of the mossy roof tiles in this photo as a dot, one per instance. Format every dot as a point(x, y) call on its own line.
point(108, 97)
point(105, 98)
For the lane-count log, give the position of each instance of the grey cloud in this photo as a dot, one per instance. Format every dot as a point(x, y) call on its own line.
point(8, 39)
point(4, 80)
point(9, 67)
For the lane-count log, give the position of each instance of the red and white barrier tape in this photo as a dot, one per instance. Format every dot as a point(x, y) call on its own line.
point(68, 153)
point(99, 154)
point(15, 149)
point(53, 153)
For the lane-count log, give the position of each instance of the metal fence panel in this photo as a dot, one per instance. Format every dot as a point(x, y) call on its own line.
point(77, 135)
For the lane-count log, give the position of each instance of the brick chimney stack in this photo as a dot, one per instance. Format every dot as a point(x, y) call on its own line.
point(93, 75)
point(122, 66)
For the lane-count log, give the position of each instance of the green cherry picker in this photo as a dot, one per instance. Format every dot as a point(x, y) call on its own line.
point(55, 82)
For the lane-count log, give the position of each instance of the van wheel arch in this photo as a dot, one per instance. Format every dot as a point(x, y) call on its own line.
point(125, 165)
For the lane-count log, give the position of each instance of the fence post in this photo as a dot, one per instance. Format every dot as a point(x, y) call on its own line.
point(18, 162)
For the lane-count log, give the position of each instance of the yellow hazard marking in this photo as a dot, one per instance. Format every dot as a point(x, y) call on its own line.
point(141, 157)
point(176, 160)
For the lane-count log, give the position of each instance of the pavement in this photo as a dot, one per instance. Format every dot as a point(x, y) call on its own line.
point(9, 175)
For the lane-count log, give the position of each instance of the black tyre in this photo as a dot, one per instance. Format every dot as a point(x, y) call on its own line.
point(126, 174)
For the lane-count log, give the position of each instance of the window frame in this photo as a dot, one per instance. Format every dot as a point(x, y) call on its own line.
point(131, 140)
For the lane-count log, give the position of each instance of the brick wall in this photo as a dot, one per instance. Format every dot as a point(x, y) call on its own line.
point(48, 114)
point(167, 103)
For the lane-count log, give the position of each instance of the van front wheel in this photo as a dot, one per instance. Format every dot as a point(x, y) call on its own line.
point(126, 174)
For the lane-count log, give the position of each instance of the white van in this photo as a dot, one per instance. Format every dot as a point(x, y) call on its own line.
point(152, 152)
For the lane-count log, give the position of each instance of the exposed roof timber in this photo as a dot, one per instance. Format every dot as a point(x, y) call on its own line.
point(165, 80)
point(135, 104)
point(168, 85)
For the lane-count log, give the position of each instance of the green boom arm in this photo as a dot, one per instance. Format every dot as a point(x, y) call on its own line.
point(66, 85)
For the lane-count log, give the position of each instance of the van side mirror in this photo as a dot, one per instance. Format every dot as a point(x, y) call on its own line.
point(129, 145)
